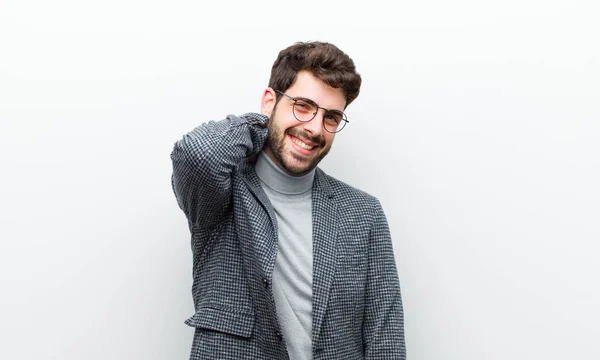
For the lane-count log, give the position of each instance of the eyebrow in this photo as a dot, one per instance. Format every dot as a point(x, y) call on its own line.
point(314, 102)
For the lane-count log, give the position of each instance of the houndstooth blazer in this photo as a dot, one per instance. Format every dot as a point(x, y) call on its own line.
point(357, 309)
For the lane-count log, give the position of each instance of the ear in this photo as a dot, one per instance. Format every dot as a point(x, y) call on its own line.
point(267, 103)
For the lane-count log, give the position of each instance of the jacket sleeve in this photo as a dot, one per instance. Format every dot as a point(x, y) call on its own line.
point(383, 325)
point(203, 161)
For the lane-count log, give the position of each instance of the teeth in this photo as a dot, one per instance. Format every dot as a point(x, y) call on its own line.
point(302, 144)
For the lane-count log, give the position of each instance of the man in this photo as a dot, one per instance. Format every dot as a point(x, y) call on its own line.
point(288, 261)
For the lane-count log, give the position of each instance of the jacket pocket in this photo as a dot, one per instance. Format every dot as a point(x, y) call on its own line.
point(234, 323)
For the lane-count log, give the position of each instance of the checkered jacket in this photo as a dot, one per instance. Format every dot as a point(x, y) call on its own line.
point(357, 309)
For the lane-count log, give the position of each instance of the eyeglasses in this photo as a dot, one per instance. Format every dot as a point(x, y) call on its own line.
point(305, 110)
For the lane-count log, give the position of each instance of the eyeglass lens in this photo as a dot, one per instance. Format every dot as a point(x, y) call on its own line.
point(306, 110)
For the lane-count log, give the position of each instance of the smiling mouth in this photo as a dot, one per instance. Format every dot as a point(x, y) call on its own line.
point(301, 143)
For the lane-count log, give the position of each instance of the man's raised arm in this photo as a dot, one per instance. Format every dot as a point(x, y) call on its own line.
point(204, 159)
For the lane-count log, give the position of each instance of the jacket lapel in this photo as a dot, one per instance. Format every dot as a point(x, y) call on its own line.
point(325, 223)
point(253, 183)
point(262, 244)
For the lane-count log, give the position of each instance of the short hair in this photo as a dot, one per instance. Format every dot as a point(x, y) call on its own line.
point(324, 60)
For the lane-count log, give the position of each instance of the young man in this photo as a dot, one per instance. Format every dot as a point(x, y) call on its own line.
point(288, 261)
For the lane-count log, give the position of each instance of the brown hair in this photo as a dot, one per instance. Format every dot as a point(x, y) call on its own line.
point(324, 60)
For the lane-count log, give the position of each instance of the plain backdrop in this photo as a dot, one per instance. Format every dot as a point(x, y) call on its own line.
point(478, 128)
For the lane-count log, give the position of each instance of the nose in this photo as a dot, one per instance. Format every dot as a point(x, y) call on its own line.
point(315, 126)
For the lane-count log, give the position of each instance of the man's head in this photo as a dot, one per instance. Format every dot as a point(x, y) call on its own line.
point(315, 71)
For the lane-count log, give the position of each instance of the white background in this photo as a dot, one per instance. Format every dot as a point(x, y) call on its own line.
point(478, 128)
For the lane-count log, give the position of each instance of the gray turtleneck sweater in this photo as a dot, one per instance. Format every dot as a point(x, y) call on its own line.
point(292, 276)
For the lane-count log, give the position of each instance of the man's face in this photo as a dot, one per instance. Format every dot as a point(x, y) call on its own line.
point(297, 147)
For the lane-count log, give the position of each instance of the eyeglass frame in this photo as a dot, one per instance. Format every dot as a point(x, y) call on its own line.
point(344, 116)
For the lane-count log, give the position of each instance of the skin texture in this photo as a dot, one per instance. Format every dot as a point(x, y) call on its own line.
point(284, 129)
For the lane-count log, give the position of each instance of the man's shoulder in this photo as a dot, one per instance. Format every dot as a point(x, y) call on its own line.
point(347, 194)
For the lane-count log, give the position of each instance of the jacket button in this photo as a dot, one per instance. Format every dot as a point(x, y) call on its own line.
point(266, 282)
point(278, 334)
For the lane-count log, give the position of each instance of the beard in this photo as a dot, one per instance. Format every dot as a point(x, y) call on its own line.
point(290, 162)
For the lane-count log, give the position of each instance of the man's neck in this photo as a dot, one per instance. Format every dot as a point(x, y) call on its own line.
point(279, 180)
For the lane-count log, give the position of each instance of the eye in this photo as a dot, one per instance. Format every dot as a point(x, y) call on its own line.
point(304, 105)
point(335, 118)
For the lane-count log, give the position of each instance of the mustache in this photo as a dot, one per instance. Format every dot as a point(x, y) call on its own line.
point(304, 136)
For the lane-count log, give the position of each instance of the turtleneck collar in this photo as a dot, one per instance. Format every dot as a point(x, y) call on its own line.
point(280, 181)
